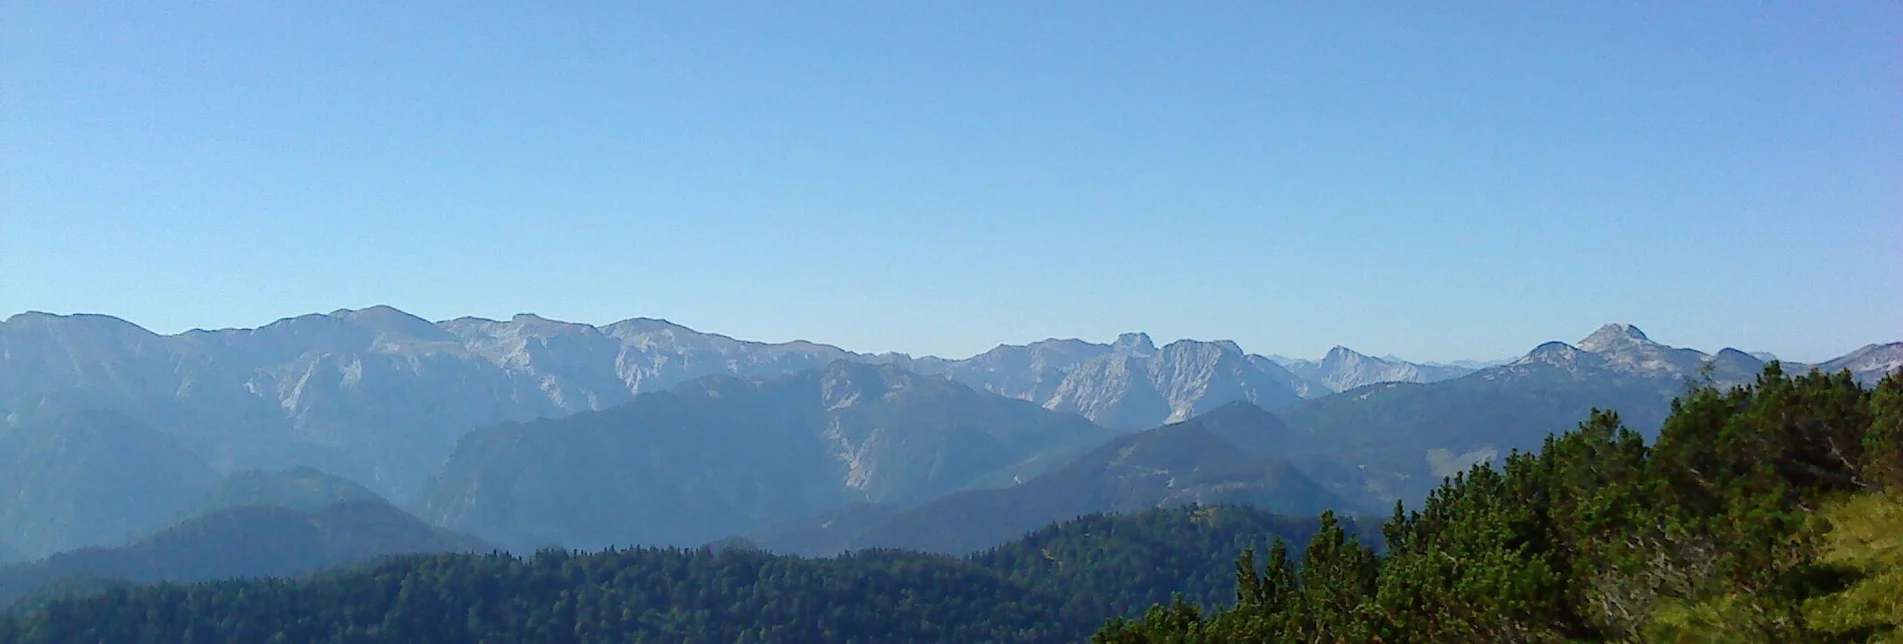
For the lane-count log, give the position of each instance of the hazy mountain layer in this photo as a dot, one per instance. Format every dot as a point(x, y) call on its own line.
point(247, 541)
point(302, 488)
point(1196, 461)
point(82, 478)
point(723, 456)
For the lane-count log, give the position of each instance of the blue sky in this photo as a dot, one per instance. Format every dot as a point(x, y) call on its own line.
point(1440, 182)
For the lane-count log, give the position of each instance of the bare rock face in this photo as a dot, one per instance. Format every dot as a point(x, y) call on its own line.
point(1137, 385)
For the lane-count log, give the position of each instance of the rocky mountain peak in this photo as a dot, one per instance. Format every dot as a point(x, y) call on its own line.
point(1135, 344)
point(388, 321)
point(1552, 353)
point(1613, 336)
point(640, 326)
point(1340, 355)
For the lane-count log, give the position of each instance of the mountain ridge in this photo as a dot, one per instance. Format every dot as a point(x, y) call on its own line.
point(1192, 462)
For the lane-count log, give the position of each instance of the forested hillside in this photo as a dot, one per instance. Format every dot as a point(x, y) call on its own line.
point(1056, 585)
point(1763, 513)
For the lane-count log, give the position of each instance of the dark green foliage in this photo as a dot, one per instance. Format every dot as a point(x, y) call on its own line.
point(68, 587)
point(1712, 531)
point(1883, 446)
point(1124, 563)
point(1057, 584)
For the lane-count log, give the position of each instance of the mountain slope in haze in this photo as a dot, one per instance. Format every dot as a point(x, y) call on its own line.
point(723, 456)
point(78, 478)
point(246, 541)
point(1343, 369)
point(300, 488)
point(1191, 462)
point(826, 534)
point(9, 555)
point(1397, 440)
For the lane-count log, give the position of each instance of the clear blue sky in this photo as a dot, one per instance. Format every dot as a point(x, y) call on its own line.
point(1435, 180)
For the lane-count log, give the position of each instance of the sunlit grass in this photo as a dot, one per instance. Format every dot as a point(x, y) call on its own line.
point(1865, 533)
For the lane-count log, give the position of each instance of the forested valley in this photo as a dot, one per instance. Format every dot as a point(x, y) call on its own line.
point(1057, 584)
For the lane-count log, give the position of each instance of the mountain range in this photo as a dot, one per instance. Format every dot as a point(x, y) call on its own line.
point(381, 396)
point(531, 431)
